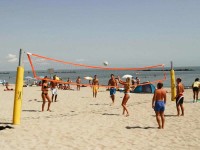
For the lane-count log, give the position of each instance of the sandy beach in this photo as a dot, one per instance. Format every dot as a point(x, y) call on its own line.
point(80, 122)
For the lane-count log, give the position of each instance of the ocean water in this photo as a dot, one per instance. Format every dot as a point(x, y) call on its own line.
point(187, 76)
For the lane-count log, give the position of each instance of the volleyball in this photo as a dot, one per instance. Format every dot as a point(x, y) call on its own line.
point(105, 63)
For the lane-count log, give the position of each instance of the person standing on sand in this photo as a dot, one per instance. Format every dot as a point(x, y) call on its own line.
point(179, 97)
point(127, 87)
point(45, 95)
point(95, 86)
point(158, 104)
point(78, 82)
point(68, 85)
point(54, 89)
point(195, 88)
point(113, 83)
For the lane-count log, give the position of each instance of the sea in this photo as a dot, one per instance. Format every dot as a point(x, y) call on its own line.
point(187, 74)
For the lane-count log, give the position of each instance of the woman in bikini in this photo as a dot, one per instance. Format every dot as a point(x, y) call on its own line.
point(45, 95)
point(127, 87)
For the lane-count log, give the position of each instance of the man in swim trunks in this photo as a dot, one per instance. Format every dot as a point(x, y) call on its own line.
point(179, 97)
point(113, 83)
point(195, 88)
point(158, 104)
point(95, 85)
point(54, 89)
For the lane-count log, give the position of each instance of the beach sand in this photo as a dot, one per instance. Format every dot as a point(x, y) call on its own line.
point(80, 122)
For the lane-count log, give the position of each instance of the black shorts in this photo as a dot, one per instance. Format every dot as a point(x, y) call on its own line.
point(195, 89)
point(179, 100)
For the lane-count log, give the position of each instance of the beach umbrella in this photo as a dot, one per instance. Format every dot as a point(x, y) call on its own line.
point(127, 76)
point(88, 78)
point(41, 76)
point(28, 78)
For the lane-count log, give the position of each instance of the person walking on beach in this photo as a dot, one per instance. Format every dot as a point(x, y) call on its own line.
point(179, 97)
point(95, 86)
point(45, 95)
point(195, 88)
point(127, 87)
point(54, 89)
point(78, 82)
point(158, 104)
point(113, 83)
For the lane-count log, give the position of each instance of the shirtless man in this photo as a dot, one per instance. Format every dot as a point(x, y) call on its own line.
point(113, 83)
point(179, 97)
point(54, 89)
point(95, 86)
point(78, 81)
point(158, 104)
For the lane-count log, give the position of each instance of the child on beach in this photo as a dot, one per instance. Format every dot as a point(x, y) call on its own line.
point(127, 87)
point(195, 88)
point(45, 95)
point(158, 104)
point(179, 97)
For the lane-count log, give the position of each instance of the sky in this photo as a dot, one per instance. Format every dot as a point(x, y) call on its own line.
point(126, 33)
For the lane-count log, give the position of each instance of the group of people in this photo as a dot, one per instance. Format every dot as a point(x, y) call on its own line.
point(112, 84)
point(94, 84)
point(45, 96)
point(158, 100)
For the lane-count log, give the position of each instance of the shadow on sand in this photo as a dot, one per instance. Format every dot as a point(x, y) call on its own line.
point(30, 110)
point(138, 127)
point(5, 127)
point(167, 115)
point(99, 104)
point(110, 114)
point(6, 123)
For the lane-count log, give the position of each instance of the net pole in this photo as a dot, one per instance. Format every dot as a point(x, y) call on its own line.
point(18, 91)
point(173, 85)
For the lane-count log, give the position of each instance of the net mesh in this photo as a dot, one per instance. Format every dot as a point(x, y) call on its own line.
point(68, 71)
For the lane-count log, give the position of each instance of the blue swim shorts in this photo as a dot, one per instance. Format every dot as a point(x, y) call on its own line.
point(112, 91)
point(159, 106)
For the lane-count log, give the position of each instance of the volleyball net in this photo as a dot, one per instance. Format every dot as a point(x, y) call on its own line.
point(68, 72)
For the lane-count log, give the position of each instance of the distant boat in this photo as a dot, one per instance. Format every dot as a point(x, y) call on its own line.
point(4, 72)
point(64, 72)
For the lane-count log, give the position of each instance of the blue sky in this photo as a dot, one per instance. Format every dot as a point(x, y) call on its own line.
point(132, 33)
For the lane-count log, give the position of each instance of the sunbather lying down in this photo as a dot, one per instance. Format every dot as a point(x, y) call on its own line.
point(7, 88)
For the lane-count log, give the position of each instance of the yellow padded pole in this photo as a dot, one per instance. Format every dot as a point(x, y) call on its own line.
point(18, 93)
point(18, 96)
point(173, 84)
